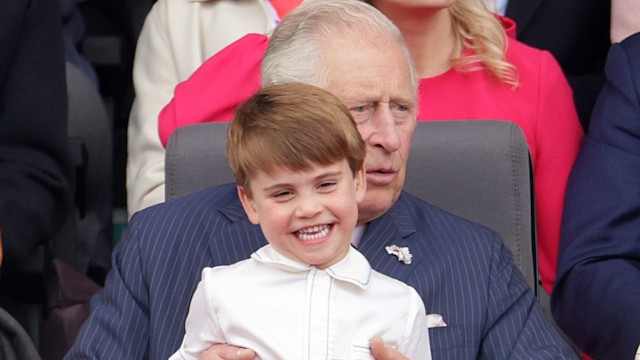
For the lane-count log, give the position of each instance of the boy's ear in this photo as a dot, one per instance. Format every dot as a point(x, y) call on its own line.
point(361, 183)
point(248, 205)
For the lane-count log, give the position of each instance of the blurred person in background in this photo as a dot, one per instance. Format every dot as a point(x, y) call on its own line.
point(596, 298)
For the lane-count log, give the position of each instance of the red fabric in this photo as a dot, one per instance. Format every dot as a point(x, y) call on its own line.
point(214, 91)
point(508, 25)
point(283, 7)
point(542, 105)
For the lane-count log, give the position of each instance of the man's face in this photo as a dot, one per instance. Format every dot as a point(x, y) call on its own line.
point(374, 82)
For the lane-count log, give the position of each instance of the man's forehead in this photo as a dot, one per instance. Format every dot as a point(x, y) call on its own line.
point(373, 88)
point(364, 70)
point(357, 95)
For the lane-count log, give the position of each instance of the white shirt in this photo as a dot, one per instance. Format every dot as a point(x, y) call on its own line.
point(284, 309)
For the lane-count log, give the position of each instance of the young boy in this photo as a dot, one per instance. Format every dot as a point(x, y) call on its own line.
point(297, 158)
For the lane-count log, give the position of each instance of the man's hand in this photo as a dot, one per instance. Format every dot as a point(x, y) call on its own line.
point(380, 351)
point(227, 352)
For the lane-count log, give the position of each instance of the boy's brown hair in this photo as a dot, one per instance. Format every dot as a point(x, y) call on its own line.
point(291, 125)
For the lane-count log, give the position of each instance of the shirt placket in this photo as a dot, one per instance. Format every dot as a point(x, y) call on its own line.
point(319, 287)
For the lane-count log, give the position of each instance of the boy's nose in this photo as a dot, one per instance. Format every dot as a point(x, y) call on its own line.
point(308, 207)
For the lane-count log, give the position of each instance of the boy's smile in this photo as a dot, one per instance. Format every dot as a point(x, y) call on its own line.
point(307, 215)
point(314, 234)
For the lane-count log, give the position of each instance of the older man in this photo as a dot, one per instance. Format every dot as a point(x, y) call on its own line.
point(461, 270)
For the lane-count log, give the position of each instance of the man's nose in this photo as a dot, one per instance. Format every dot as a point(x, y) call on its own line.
point(385, 132)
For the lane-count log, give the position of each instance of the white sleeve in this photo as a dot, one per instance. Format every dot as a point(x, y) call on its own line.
point(202, 327)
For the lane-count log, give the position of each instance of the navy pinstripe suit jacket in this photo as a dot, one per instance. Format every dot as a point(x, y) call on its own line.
point(599, 261)
point(462, 271)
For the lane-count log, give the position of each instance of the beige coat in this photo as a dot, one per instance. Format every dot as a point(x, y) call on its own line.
point(177, 37)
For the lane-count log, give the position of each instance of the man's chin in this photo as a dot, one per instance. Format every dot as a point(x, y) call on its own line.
point(375, 204)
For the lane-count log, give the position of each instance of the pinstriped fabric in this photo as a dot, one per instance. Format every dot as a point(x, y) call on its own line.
point(156, 267)
point(460, 269)
point(463, 272)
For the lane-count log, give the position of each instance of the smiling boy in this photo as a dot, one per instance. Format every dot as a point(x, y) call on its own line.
point(297, 158)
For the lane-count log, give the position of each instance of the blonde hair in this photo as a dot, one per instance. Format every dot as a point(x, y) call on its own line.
point(292, 125)
point(478, 29)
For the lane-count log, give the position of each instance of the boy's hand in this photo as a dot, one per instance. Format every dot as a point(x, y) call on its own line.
point(227, 352)
point(380, 351)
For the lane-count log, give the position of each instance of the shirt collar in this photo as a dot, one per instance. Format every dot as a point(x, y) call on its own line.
point(354, 268)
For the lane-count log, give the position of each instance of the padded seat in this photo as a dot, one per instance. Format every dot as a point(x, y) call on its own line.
point(479, 170)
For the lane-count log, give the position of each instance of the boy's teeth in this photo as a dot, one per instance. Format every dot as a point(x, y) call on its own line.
point(314, 232)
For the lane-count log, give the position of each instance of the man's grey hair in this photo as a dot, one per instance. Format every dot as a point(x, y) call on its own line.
point(296, 54)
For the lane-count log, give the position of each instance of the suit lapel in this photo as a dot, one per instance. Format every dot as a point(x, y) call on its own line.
point(393, 228)
point(235, 241)
point(522, 11)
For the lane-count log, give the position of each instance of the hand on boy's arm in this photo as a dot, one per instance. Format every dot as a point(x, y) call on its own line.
point(380, 351)
point(227, 352)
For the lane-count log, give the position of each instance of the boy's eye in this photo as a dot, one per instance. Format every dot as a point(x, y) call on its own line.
point(327, 185)
point(282, 194)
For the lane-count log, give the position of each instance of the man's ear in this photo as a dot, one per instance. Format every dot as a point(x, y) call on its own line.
point(360, 180)
point(248, 205)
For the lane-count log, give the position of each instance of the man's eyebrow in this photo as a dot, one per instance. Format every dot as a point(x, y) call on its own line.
point(355, 98)
point(405, 99)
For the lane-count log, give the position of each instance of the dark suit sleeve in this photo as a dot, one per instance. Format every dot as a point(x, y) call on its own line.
point(119, 325)
point(515, 326)
point(156, 267)
point(597, 296)
point(35, 166)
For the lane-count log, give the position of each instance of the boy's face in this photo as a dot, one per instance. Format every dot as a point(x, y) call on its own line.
point(308, 216)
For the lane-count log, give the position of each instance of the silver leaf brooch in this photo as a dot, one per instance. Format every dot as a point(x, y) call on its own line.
point(402, 253)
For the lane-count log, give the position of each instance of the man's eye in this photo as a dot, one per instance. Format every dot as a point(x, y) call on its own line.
point(400, 107)
point(361, 113)
point(401, 112)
